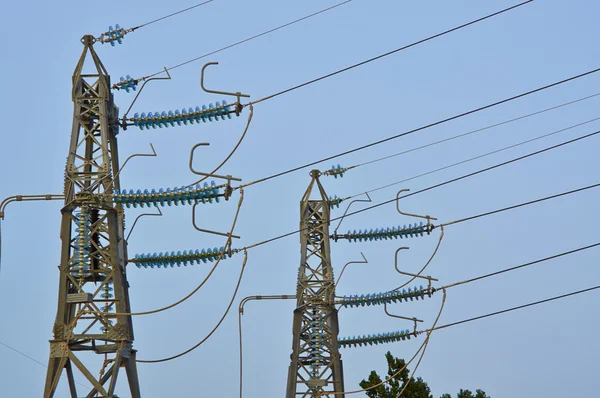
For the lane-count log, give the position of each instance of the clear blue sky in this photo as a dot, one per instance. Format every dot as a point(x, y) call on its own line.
point(549, 350)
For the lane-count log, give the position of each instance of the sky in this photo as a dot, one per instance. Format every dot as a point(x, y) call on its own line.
point(548, 350)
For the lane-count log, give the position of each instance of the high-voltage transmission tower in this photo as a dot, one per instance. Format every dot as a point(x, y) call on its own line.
point(316, 365)
point(94, 253)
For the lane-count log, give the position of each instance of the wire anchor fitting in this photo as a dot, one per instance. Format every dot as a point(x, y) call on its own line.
point(428, 218)
point(336, 171)
point(126, 83)
point(413, 319)
point(429, 279)
point(238, 95)
point(114, 35)
point(334, 201)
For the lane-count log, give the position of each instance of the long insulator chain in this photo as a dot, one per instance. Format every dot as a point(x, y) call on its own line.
point(168, 119)
point(81, 256)
point(385, 233)
point(183, 195)
point(163, 260)
point(389, 297)
point(114, 35)
point(336, 171)
point(126, 83)
point(379, 338)
point(335, 201)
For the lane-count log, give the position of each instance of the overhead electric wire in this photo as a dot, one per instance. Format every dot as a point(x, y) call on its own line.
point(34, 360)
point(519, 205)
point(424, 127)
point(510, 309)
point(431, 187)
point(172, 14)
point(541, 260)
point(391, 52)
point(474, 158)
point(250, 38)
point(480, 171)
point(477, 130)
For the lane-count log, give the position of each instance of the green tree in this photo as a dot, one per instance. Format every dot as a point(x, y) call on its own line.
point(416, 388)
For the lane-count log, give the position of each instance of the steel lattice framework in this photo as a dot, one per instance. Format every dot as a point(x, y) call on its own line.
point(93, 255)
point(316, 365)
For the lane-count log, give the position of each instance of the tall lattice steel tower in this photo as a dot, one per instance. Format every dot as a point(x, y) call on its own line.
point(316, 366)
point(94, 252)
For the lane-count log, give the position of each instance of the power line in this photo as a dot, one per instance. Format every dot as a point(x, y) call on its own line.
point(391, 52)
point(519, 205)
point(427, 126)
point(447, 182)
point(251, 38)
point(520, 266)
point(473, 158)
point(173, 14)
point(480, 171)
point(491, 126)
point(510, 309)
point(33, 359)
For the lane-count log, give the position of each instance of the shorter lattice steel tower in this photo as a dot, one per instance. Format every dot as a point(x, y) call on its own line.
point(316, 365)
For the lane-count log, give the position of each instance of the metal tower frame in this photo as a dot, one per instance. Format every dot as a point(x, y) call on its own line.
point(94, 252)
point(316, 365)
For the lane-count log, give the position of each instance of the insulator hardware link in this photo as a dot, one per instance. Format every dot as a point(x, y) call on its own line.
point(163, 260)
point(183, 195)
point(385, 233)
point(335, 201)
point(389, 297)
point(168, 119)
point(336, 171)
point(126, 83)
point(379, 338)
point(113, 35)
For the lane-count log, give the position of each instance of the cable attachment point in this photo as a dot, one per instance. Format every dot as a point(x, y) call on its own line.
point(238, 95)
point(336, 171)
point(335, 201)
point(126, 83)
point(114, 35)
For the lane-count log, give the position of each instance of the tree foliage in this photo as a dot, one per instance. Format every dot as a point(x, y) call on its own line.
point(399, 375)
